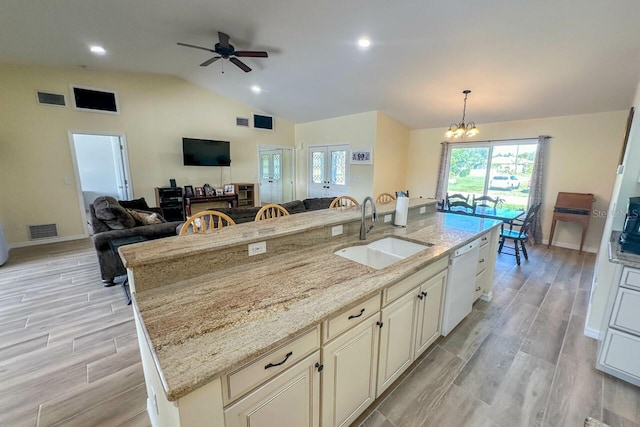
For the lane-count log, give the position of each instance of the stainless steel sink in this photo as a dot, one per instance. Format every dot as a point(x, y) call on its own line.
point(382, 253)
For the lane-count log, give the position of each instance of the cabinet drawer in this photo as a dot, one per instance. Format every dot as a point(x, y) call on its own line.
point(621, 351)
point(251, 375)
point(483, 258)
point(625, 314)
point(630, 278)
point(397, 290)
point(350, 318)
point(484, 239)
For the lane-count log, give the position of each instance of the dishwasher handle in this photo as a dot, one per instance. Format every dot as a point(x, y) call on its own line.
point(466, 248)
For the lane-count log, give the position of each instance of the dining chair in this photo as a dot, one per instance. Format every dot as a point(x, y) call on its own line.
point(485, 202)
point(343, 202)
point(520, 235)
point(457, 197)
point(460, 207)
point(385, 198)
point(205, 220)
point(271, 210)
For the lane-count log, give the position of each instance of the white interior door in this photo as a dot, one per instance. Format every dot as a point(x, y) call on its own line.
point(271, 176)
point(101, 166)
point(328, 171)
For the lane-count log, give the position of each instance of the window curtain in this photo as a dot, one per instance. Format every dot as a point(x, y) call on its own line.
point(535, 188)
point(445, 159)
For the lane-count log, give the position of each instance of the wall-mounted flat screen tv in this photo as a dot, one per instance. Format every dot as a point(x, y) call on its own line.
point(205, 152)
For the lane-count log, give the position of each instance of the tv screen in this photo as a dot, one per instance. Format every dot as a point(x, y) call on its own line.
point(205, 152)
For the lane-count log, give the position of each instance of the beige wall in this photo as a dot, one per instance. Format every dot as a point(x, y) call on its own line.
point(390, 156)
point(357, 130)
point(582, 157)
point(36, 168)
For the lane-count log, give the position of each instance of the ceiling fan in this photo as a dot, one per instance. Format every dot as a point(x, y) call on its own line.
point(227, 51)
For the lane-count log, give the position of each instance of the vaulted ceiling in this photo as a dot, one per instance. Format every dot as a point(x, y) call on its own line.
point(521, 59)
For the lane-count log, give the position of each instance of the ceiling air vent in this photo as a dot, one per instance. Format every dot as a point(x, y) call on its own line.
point(42, 231)
point(48, 98)
point(242, 121)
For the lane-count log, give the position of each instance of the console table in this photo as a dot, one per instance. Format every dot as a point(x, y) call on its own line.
point(231, 198)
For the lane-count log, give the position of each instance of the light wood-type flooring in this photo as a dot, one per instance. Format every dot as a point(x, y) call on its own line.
point(69, 354)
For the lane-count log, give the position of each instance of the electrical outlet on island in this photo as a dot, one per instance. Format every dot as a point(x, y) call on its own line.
point(257, 248)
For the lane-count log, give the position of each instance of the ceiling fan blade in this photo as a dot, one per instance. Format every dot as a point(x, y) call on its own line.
point(251, 53)
point(224, 39)
point(210, 61)
point(196, 47)
point(240, 64)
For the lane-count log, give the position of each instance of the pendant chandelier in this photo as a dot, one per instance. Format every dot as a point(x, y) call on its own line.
point(461, 130)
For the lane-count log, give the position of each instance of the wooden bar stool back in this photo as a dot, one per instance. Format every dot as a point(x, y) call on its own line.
point(205, 220)
point(271, 210)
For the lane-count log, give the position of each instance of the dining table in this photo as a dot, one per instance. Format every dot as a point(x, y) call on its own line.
point(503, 214)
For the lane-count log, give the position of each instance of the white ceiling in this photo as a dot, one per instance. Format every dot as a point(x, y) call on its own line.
point(522, 59)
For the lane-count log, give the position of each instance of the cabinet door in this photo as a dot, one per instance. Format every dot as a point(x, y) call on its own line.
point(428, 323)
point(621, 352)
point(349, 373)
point(396, 339)
point(291, 399)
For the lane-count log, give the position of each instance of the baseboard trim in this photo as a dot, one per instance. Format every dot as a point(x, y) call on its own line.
point(591, 333)
point(571, 246)
point(47, 241)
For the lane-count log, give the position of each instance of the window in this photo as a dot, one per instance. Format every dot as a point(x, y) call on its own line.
point(496, 169)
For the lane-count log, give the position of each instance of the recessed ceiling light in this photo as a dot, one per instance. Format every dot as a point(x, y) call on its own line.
point(364, 42)
point(98, 50)
point(256, 89)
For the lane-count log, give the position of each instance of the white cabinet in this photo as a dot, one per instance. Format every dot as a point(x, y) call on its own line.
point(349, 372)
point(410, 324)
point(428, 321)
point(619, 353)
point(396, 339)
point(289, 400)
point(486, 265)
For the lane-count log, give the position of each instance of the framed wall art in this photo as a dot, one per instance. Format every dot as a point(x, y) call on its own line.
point(362, 156)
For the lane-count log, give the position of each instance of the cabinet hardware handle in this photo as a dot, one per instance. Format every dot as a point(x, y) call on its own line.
point(380, 324)
point(319, 367)
point(478, 288)
point(420, 296)
point(481, 260)
point(353, 316)
point(424, 294)
point(271, 365)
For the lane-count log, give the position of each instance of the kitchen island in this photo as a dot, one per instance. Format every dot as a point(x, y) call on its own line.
point(205, 310)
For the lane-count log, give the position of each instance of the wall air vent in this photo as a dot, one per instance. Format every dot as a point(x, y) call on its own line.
point(260, 121)
point(48, 98)
point(95, 100)
point(43, 231)
point(242, 121)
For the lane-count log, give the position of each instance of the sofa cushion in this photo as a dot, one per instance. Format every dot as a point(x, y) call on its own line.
point(239, 215)
point(145, 217)
point(317, 203)
point(294, 207)
point(114, 216)
point(139, 204)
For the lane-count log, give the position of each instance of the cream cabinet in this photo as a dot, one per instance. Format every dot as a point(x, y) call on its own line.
point(289, 400)
point(486, 265)
point(620, 350)
point(349, 372)
point(410, 323)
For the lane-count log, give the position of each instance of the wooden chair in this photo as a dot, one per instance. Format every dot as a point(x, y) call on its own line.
point(485, 202)
point(271, 210)
point(385, 198)
point(343, 202)
point(205, 220)
point(520, 235)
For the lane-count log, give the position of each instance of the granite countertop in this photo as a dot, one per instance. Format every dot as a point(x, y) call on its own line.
point(617, 256)
point(204, 327)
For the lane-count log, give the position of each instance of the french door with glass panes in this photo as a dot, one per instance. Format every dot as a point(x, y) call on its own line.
point(271, 176)
point(328, 171)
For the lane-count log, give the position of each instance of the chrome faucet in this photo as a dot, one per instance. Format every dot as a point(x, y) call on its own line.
point(374, 217)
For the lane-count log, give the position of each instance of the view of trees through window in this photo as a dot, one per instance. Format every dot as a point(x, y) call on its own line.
point(500, 170)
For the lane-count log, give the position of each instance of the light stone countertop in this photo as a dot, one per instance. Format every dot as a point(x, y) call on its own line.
point(204, 327)
point(617, 256)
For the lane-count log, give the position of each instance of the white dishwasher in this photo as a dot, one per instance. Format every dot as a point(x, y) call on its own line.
point(458, 297)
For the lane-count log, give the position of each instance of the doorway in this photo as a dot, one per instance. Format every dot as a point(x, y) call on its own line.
point(328, 171)
point(276, 174)
point(101, 168)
